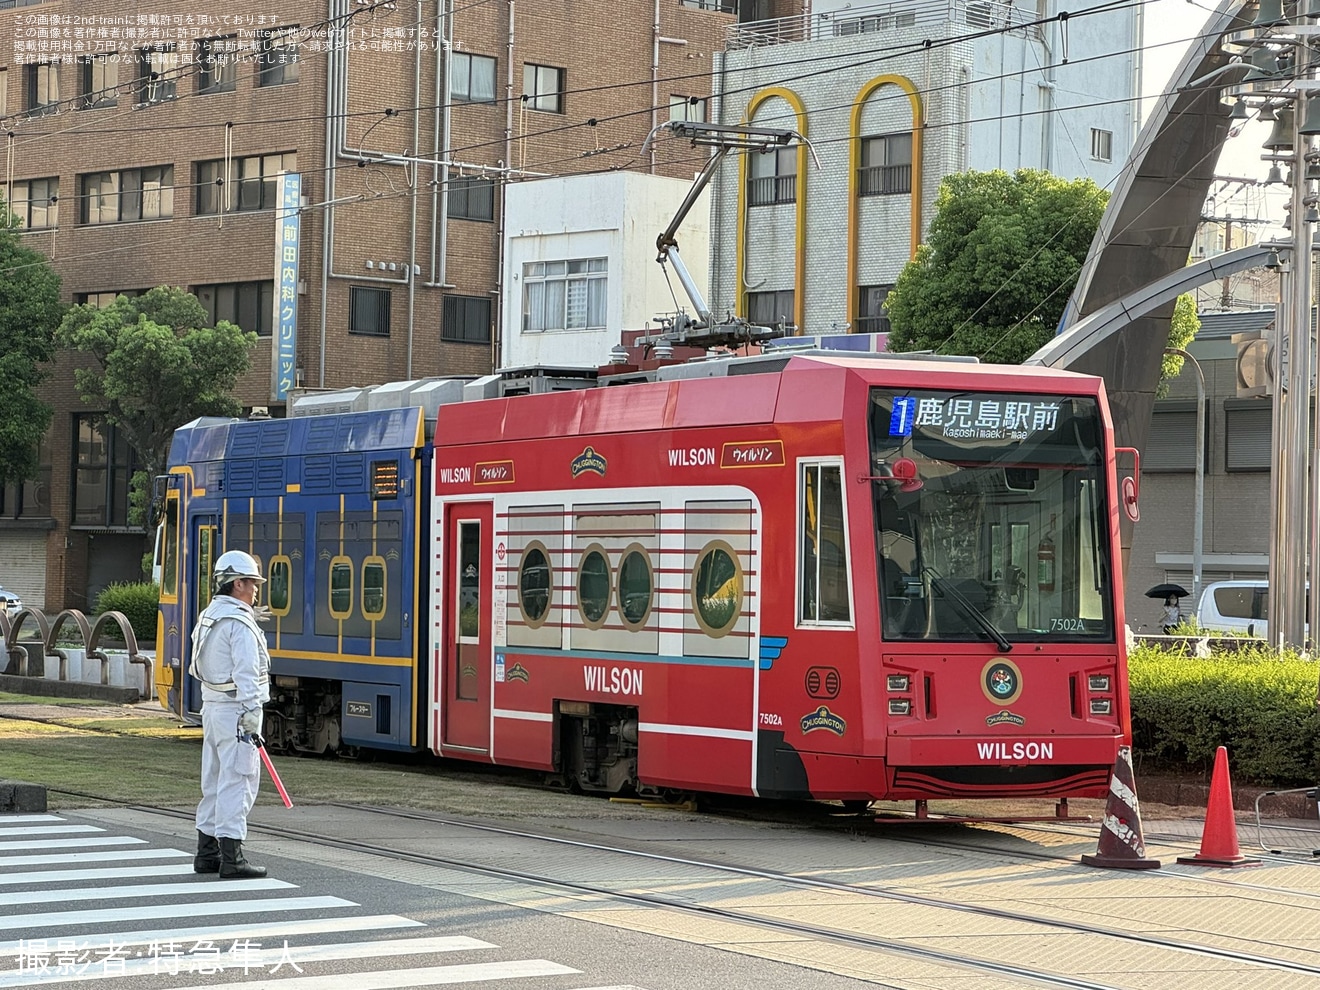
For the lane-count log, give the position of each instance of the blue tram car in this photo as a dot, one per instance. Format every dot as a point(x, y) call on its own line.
point(340, 495)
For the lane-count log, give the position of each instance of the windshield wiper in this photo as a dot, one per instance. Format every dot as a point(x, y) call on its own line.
point(950, 591)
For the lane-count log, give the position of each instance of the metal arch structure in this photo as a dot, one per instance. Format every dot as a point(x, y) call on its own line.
point(1147, 230)
point(1095, 330)
point(1146, 236)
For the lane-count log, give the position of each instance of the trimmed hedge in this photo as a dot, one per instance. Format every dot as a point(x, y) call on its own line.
point(1258, 703)
point(139, 602)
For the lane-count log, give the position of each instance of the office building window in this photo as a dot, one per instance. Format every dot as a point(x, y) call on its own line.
point(36, 202)
point(103, 299)
point(1102, 145)
point(472, 199)
point(99, 81)
point(1247, 437)
point(466, 319)
point(687, 108)
point(249, 184)
point(773, 177)
point(564, 295)
point(369, 311)
point(472, 78)
point(543, 88)
point(871, 316)
point(29, 499)
point(4, 91)
point(248, 305)
point(158, 75)
point(217, 64)
point(277, 56)
point(768, 309)
point(105, 464)
point(43, 88)
point(723, 6)
point(121, 197)
point(886, 165)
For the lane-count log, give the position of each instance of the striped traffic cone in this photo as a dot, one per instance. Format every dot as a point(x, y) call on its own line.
point(1122, 846)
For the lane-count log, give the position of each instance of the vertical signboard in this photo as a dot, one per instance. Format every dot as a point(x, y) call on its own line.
point(284, 339)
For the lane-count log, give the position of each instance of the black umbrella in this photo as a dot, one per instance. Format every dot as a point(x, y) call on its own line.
point(1165, 590)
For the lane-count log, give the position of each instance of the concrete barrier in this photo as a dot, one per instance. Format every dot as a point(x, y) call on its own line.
point(20, 796)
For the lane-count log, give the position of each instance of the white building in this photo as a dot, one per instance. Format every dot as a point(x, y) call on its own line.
point(893, 97)
point(580, 264)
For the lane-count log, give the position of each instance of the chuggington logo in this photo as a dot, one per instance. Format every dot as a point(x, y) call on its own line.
point(1005, 717)
point(1002, 682)
point(588, 460)
point(517, 673)
point(823, 718)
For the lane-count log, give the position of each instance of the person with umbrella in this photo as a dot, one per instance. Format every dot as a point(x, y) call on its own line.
point(1172, 613)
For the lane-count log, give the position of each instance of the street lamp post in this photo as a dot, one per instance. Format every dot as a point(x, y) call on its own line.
point(1198, 510)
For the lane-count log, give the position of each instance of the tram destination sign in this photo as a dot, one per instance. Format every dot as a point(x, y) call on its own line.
point(974, 417)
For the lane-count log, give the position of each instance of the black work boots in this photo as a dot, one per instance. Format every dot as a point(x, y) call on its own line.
point(207, 859)
point(232, 864)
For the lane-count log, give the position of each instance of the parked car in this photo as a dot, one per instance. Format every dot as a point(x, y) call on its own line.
point(1241, 607)
point(11, 601)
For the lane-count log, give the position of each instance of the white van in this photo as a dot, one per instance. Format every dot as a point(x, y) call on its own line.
point(1234, 606)
point(1241, 607)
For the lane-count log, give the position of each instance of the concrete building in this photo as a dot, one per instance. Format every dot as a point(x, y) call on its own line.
point(1238, 442)
point(580, 264)
point(892, 97)
point(145, 145)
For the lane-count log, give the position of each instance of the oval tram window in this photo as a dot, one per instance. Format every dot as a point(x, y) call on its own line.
point(593, 586)
point(717, 588)
point(635, 587)
point(534, 584)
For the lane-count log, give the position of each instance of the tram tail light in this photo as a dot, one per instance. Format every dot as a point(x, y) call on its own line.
point(899, 682)
point(1098, 682)
point(1101, 706)
point(900, 706)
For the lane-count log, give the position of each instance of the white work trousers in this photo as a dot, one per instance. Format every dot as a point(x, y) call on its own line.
point(231, 772)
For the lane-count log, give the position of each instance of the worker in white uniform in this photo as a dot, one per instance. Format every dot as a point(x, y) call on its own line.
point(230, 658)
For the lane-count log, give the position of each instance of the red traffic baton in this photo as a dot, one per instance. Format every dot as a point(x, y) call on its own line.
point(260, 743)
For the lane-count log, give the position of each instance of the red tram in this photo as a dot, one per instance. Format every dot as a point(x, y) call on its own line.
point(808, 576)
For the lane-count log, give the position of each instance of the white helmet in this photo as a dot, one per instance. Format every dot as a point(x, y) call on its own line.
point(234, 564)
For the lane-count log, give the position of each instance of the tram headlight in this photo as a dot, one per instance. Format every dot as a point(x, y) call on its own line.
point(1101, 706)
point(899, 682)
point(900, 706)
point(1098, 682)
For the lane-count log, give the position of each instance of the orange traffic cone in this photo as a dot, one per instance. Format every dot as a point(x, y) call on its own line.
point(1219, 841)
point(1121, 844)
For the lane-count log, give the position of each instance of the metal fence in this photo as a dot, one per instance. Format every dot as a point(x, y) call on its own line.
point(880, 18)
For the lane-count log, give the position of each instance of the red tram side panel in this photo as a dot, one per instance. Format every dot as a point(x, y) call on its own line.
point(842, 578)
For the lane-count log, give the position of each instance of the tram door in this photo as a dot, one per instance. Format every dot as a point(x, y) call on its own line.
point(467, 587)
point(199, 562)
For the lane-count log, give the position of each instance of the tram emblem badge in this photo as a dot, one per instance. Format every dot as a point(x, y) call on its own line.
point(823, 718)
point(1001, 680)
point(1005, 717)
point(588, 460)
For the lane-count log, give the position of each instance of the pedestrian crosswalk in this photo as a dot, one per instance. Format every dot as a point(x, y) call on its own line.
point(243, 935)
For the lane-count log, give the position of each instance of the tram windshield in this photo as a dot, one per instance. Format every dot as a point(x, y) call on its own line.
point(991, 517)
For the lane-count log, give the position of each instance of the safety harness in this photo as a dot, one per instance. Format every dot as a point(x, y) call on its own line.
point(203, 664)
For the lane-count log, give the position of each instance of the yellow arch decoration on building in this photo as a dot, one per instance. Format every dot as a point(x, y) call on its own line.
point(800, 192)
point(854, 170)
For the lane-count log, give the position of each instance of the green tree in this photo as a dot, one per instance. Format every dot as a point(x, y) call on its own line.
point(30, 311)
point(1001, 258)
point(156, 366)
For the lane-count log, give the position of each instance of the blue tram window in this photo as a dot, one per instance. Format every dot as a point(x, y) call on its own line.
point(278, 586)
point(341, 587)
point(373, 588)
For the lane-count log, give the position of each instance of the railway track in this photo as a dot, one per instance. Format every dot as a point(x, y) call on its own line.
point(720, 891)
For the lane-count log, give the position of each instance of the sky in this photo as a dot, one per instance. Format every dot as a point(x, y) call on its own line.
point(1169, 28)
